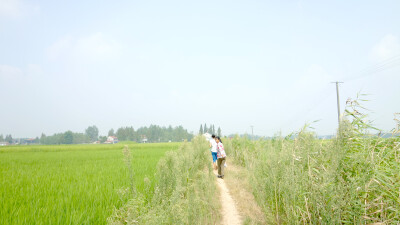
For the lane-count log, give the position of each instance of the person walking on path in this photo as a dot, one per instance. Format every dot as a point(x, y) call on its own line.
point(213, 149)
point(221, 155)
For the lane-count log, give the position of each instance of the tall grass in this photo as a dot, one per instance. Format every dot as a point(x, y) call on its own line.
point(72, 184)
point(185, 194)
point(353, 179)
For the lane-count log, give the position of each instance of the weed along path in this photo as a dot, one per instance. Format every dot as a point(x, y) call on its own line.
point(230, 214)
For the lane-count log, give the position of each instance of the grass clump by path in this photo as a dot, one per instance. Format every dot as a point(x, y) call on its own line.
point(353, 179)
point(185, 192)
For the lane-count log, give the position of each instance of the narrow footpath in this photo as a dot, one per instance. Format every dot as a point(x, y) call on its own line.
point(230, 214)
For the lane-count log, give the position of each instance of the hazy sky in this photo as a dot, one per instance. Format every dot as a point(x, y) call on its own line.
point(66, 65)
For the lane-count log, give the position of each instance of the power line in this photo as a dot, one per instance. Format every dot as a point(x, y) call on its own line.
point(378, 67)
point(323, 94)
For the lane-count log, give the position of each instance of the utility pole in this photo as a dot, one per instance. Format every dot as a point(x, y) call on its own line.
point(338, 105)
point(252, 135)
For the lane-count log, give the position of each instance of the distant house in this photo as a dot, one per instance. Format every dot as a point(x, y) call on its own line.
point(30, 140)
point(4, 143)
point(111, 140)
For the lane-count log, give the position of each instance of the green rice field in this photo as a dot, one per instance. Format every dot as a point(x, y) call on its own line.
point(72, 184)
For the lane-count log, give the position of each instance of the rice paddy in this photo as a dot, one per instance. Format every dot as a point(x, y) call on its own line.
point(72, 184)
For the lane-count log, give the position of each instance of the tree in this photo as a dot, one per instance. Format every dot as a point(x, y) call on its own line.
point(68, 138)
point(121, 134)
point(1, 138)
point(102, 139)
point(201, 129)
point(130, 133)
point(80, 138)
point(219, 132)
point(92, 132)
point(169, 135)
point(9, 139)
point(205, 128)
point(213, 129)
point(111, 132)
point(42, 139)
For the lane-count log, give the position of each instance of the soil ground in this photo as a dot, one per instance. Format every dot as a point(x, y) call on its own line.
point(234, 189)
point(230, 214)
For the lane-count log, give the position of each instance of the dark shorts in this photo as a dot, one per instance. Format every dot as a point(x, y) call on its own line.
point(214, 155)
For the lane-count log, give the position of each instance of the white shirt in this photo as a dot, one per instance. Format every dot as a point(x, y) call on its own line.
point(213, 145)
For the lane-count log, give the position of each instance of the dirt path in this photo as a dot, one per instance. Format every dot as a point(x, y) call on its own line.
point(230, 214)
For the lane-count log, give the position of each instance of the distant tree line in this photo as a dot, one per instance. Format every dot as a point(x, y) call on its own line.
point(210, 129)
point(153, 133)
point(8, 138)
point(91, 134)
point(67, 137)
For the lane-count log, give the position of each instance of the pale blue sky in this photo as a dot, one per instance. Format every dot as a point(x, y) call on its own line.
point(69, 65)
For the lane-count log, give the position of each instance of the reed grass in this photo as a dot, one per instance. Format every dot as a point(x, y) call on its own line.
point(353, 179)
